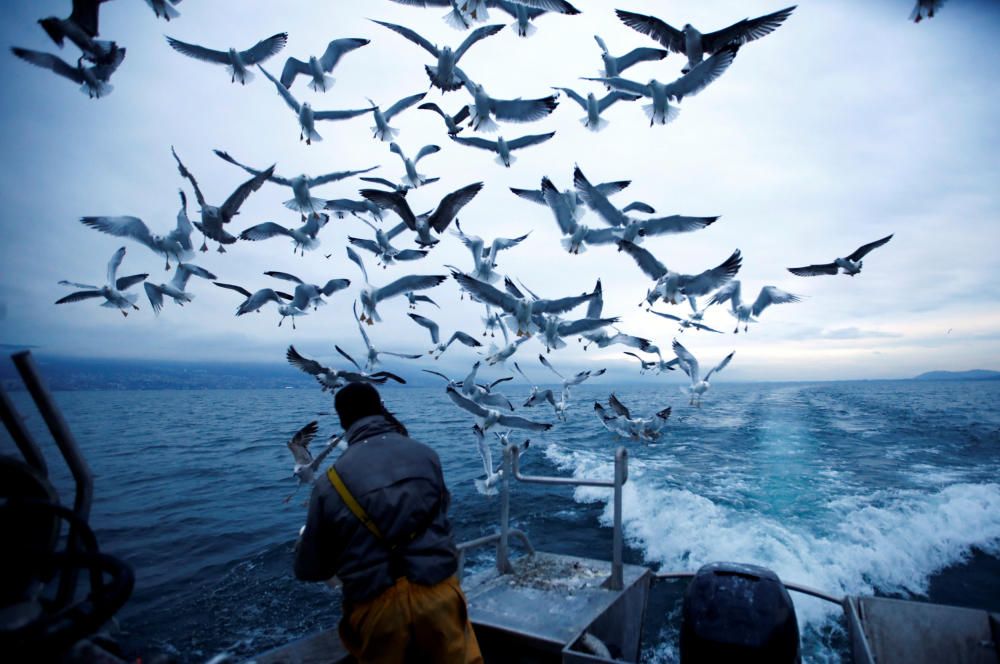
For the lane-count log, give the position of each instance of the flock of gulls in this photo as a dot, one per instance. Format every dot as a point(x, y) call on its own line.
point(390, 231)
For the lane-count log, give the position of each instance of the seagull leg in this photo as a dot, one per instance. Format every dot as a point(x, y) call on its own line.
point(204, 243)
point(124, 313)
point(222, 249)
point(168, 264)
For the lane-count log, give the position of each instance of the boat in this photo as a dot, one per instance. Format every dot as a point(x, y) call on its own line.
point(530, 606)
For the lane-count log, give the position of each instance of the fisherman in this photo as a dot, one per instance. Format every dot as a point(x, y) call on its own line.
point(378, 521)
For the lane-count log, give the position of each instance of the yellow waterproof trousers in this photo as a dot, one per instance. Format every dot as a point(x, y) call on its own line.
point(412, 623)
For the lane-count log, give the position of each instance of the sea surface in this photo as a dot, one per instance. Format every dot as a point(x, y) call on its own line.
point(854, 487)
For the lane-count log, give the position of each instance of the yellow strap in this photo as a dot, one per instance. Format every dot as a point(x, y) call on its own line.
point(352, 504)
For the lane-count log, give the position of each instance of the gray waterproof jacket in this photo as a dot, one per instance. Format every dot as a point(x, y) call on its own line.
point(399, 483)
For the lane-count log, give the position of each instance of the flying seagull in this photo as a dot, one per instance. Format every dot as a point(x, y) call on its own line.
point(305, 466)
point(850, 265)
point(484, 108)
point(93, 80)
point(485, 258)
point(521, 309)
point(925, 9)
point(382, 247)
point(620, 421)
point(382, 131)
point(112, 292)
point(487, 484)
point(254, 301)
point(372, 354)
point(673, 286)
point(748, 313)
point(303, 201)
point(213, 217)
point(164, 9)
point(502, 147)
point(332, 379)
point(537, 397)
point(686, 322)
point(593, 107)
point(480, 393)
point(305, 295)
point(306, 115)
point(176, 244)
point(690, 366)
point(660, 111)
point(372, 295)
point(486, 418)
point(614, 66)
point(317, 69)
point(445, 74)
point(525, 11)
point(451, 121)
point(435, 331)
point(175, 288)
point(303, 237)
point(689, 42)
point(437, 220)
point(413, 179)
point(414, 298)
point(237, 62)
point(81, 28)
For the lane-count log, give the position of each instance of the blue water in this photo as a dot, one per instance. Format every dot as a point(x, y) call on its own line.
point(855, 487)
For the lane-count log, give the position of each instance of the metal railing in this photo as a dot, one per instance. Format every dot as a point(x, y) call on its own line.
point(795, 587)
point(489, 539)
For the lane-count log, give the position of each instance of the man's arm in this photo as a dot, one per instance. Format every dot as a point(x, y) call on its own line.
point(315, 554)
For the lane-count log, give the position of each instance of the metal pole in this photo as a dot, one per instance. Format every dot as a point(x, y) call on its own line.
point(70, 451)
point(15, 425)
point(617, 580)
point(503, 550)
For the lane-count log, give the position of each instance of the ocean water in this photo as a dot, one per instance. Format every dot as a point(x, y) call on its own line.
point(855, 487)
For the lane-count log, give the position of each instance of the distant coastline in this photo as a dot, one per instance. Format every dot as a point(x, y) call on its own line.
point(974, 374)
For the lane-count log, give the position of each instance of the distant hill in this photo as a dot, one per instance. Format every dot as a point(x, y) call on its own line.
point(975, 374)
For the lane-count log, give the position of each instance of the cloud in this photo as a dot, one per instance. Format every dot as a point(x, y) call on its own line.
point(857, 333)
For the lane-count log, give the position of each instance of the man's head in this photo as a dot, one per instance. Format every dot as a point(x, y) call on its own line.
point(357, 400)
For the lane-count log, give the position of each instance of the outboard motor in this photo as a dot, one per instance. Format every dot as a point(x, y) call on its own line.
point(738, 613)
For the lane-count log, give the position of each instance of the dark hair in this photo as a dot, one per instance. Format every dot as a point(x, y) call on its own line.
point(357, 400)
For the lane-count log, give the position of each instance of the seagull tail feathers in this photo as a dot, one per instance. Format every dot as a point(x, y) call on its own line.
point(526, 30)
point(389, 134)
point(668, 115)
point(505, 162)
point(484, 488)
point(242, 77)
point(483, 123)
point(594, 126)
point(454, 83)
point(103, 89)
point(169, 12)
point(314, 135)
point(567, 244)
point(456, 19)
point(318, 85)
point(314, 203)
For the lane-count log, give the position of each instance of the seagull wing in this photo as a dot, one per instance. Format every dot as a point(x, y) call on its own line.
point(116, 260)
point(284, 275)
point(709, 280)
point(466, 403)
point(155, 295)
point(533, 195)
point(338, 175)
point(430, 325)
point(612, 97)
point(863, 250)
point(290, 99)
point(336, 50)
point(403, 104)
point(334, 285)
point(477, 142)
point(625, 85)
point(484, 451)
point(451, 204)
point(523, 110)
point(560, 305)
point(640, 55)
point(264, 49)
point(346, 356)
point(745, 31)
point(619, 407)
point(130, 227)
point(367, 245)
point(264, 231)
point(340, 115)
point(187, 270)
point(292, 69)
point(80, 295)
point(609, 188)
point(357, 261)
point(669, 36)
point(51, 62)
point(596, 304)
point(463, 338)
point(232, 205)
point(702, 74)
point(575, 96)
point(515, 422)
point(730, 291)
point(393, 201)
point(259, 299)
point(663, 314)
point(639, 206)
point(597, 201)
point(674, 224)
point(815, 270)
point(770, 295)
point(239, 289)
point(546, 363)
point(383, 376)
point(413, 37)
point(720, 366)
point(565, 215)
point(533, 139)
point(479, 33)
point(486, 293)
point(199, 52)
point(688, 361)
point(185, 173)
point(501, 243)
point(311, 367)
point(408, 283)
point(584, 325)
point(299, 444)
point(653, 268)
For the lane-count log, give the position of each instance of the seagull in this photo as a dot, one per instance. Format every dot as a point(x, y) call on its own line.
point(925, 9)
point(112, 292)
point(690, 366)
point(371, 295)
point(307, 116)
point(521, 309)
point(500, 355)
point(850, 265)
point(303, 237)
point(576, 379)
point(302, 202)
point(486, 418)
point(81, 28)
point(624, 227)
point(491, 321)
point(524, 11)
point(486, 485)
point(485, 107)
point(318, 68)
point(621, 422)
point(176, 244)
point(93, 80)
point(552, 329)
point(413, 179)
point(382, 248)
point(614, 66)
point(685, 323)
point(341, 206)
point(435, 331)
point(660, 111)
point(372, 352)
point(414, 298)
point(254, 301)
point(691, 43)
point(672, 286)
point(332, 379)
point(484, 258)
point(382, 131)
point(659, 365)
point(305, 295)
point(175, 288)
point(502, 147)
point(479, 393)
point(236, 62)
point(164, 9)
point(437, 220)
point(305, 466)
point(747, 313)
point(601, 337)
point(214, 217)
point(445, 74)
point(451, 121)
point(593, 107)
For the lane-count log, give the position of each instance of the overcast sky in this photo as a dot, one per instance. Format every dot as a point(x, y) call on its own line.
point(846, 124)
